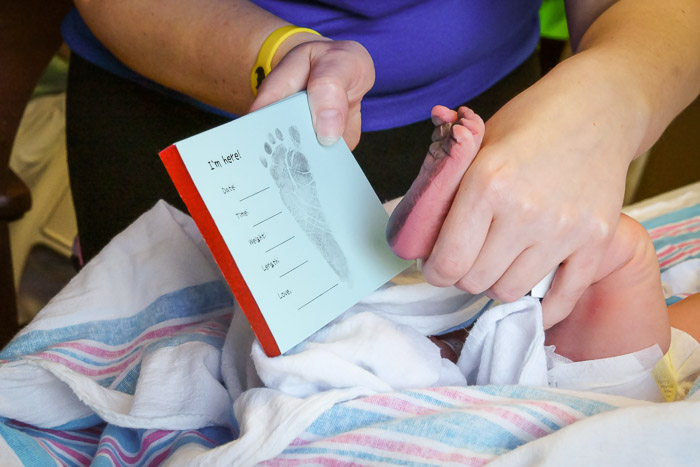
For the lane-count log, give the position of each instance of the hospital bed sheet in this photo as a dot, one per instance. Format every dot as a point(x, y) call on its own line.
point(129, 365)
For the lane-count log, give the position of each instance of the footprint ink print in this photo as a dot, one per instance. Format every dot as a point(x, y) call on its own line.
point(290, 170)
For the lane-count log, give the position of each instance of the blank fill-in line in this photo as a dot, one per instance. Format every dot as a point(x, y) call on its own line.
point(295, 267)
point(257, 192)
point(255, 225)
point(281, 243)
point(317, 296)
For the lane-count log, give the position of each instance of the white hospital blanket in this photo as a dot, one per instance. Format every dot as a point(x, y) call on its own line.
point(137, 362)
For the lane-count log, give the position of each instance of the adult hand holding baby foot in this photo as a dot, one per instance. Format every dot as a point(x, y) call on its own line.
point(545, 189)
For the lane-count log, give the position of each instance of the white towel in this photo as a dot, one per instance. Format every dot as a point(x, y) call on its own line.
point(506, 346)
point(121, 315)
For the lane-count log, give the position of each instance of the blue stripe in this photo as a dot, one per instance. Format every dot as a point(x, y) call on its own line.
point(461, 429)
point(141, 457)
point(542, 418)
point(352, 454)
point(675, 240)
point(128, 383)
point(26, 448)
point(85, 448)
point(586, 407)
point(64, 460)
point(187, 302)
point(672, 217)
point(130, 441)
point(426, 398)
point(519, 407)
point(151, 346)
point(458, 428)
point(673, 299)
point(341, 419)
point(695, 388)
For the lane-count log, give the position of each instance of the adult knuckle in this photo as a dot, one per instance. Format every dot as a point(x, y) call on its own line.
point(566, 221)
point(326, 81)
point(598, 229)
point(443, 272)
point(472, 285)
point(504, 293)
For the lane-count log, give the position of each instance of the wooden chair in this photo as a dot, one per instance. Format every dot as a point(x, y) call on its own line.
point(29, 37)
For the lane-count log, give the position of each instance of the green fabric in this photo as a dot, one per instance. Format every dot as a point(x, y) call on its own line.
point(54, 79)
point(553, 20)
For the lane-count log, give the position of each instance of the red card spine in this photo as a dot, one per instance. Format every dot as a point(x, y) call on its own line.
point(198, 210)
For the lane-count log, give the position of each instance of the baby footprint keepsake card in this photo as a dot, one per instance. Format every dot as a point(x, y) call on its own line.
point(295, 227)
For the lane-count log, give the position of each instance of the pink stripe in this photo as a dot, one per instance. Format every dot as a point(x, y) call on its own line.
point(104, 353)
point(160, 457)
point(44, 445)
point(198, 435)
point(318, 460)
point(58, 433)
point(95, 430)
point(673, 235)
point(48, 355)
point(110, 454)
point(516, 420)
point(659, 231)
point(400, 405)
point(555, 410)
point(458, 396)
point(677, 246)
point(400, 447)
point(75, 454)
point(147, 441)
point(68, 436)
point(83, 369)
point(508, 415)
point(679, 256)
point(558, 412)
point(300, 442)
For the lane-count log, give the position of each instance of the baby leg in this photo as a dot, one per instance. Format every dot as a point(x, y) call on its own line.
point(415, 223)
point(624, 310)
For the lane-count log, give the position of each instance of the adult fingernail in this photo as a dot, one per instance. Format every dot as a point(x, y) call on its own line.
point(329, 126)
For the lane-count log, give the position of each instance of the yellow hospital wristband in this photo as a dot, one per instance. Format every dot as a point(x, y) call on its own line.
point(263, 64)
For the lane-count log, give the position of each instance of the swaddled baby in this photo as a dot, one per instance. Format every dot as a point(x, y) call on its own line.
point(623, 312)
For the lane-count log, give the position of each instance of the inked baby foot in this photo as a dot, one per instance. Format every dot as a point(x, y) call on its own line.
point(415, 223)
point(290, 171)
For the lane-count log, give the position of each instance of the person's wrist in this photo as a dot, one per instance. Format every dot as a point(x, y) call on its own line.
point(269, 54)
point(293, 41)
point(612, 97)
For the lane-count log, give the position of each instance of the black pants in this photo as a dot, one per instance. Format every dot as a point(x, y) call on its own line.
point(115, 129)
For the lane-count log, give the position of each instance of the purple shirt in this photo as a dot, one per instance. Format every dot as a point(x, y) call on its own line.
point(425, 52)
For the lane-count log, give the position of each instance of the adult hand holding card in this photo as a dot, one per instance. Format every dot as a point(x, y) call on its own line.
point(294, 226)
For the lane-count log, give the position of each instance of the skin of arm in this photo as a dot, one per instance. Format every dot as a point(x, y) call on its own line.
point(547, 185)
point(206, 49)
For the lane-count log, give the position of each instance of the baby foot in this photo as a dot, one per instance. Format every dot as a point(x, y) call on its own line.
point(290, 171)
point(415, 223)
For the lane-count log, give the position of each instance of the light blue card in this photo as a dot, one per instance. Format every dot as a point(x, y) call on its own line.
point(301, 220)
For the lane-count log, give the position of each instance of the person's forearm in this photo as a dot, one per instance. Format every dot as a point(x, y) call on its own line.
point(648, 49)
point(685, 315)
point(205, 49)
